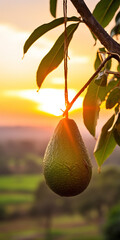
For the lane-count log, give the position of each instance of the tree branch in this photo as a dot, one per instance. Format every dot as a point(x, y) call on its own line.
point(112, 72)
point(110, 44)
point(90, 80)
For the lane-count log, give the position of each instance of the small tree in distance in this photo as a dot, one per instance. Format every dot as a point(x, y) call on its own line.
point(100, 87)
point(112, 226)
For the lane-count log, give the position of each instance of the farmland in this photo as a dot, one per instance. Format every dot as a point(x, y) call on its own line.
point(72, 228)
point(29, 210)
point(26, 183)
point(17, 195)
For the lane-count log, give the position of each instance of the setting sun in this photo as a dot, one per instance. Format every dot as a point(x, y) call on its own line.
point(48, 100)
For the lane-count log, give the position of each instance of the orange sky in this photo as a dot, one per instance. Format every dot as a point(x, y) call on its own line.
point(20, 104)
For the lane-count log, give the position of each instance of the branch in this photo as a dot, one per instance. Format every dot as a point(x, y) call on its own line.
point(107, 41)
point(112, 72)
point(90, 80)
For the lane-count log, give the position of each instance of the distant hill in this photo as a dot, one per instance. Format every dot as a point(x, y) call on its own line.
point(17, 141)
point(24, 133)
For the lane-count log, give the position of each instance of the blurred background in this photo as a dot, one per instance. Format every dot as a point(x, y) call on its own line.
point(28, 208)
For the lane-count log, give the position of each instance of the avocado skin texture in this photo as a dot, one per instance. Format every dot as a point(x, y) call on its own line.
point(66, 164)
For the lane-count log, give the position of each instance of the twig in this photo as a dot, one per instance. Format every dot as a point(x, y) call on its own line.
point(90, 80)
point(112, 72)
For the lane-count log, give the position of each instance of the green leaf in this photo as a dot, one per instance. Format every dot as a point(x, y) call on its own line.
point(41, 30)
point(117, 19)
point(55, 55)
point(105, 10)
point(116, 131)
point(97, 61)
point(108, 65)
point(105, 143)
point(53, 7)
point(113, 98)
point(112, 84)
point(118, 67)
point(91, 105)
point(115, 30)
point(101, 79)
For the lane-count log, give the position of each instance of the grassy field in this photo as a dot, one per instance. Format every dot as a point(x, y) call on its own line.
point(64, 228)
point(18, 189)
point(17, 193)
point(27, 183)
point(15, 198)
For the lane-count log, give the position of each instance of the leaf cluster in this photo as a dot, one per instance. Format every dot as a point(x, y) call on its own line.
point(107, 90)
point(102, 88)
point(56, 54)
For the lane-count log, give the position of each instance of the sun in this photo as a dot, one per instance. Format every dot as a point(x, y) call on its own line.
point(55, 103)
point(49, 100)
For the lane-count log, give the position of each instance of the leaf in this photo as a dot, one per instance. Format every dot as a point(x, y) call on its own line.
point(105, 143)
point(108, 64)
point(101, 79)
point(53, 7)
point(100, 56)
point(116, 131)
point(113, 98)
point(112, 84)
point(55, 55)
point(117, 19)
point(41, 30)
point(105, 10)
point(118, 67)
point(91, 105)
point(115, 30)
point(97, 61)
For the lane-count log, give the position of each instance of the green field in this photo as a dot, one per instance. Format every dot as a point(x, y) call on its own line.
point(64, 228)
point(14, 198)
point(17, 195)
point(25, 183)
point(18, 189)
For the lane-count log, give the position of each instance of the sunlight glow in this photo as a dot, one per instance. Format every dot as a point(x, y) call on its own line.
point(79, 59)
point(57, 80)
point(48, 100)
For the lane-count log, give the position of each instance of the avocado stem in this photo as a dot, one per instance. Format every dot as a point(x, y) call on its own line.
point(66, 115)
point(65, 54)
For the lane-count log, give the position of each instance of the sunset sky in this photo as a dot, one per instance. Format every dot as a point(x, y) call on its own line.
point(20, 102)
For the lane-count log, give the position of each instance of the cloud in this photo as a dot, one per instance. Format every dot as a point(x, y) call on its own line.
point(24, 15)
point(52, 104)
point(79, 59)
point(14, 70)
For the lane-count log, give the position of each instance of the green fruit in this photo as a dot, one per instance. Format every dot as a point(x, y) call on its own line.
point(67, 167)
